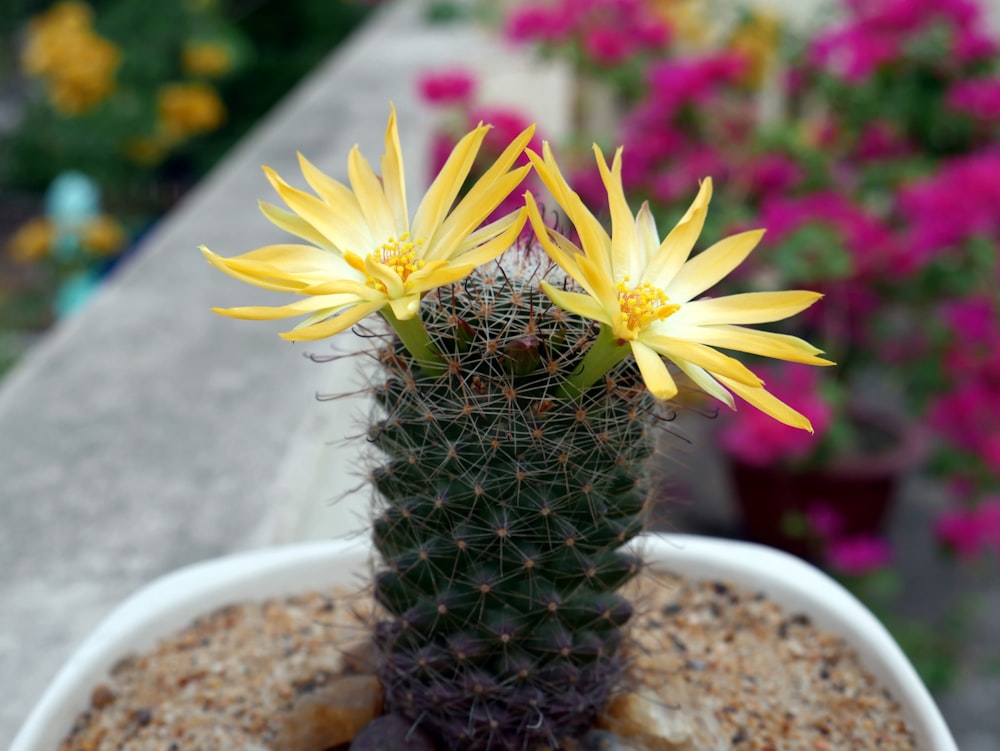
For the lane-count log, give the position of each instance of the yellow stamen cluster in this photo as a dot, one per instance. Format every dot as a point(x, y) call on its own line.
point(643, 304)
point(399, 255)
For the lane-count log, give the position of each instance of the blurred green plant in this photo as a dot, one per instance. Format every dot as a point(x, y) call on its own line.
point(142, 99)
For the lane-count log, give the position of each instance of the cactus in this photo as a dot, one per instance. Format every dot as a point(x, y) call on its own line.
point(514, 417)
point(504, 510)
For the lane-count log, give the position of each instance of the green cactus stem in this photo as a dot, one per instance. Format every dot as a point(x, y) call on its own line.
point(504, 505)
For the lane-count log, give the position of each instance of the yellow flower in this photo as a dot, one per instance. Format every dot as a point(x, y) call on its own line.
point(209, 59)
point(32, 241)
point(644, 292)
point(367, 255)
point(189, 109)
point(757, 40)
point(687, 18)
point(79, 65)
point(103, 236)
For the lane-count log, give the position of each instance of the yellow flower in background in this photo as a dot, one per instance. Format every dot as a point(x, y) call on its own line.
point(148, 150)
point(206, 59)
point(189, 109)
point(646, 292)
point(32, 241)
point(78, 65)
point(757, 40)
point(687, 19)
point(102, 236)
point(44, 46)
point(366, 254)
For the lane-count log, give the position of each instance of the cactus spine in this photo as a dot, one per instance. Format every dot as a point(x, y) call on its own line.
point(503, 509)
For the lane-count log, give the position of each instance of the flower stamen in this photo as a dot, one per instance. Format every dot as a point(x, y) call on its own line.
point(400, 255)
point(643, 304)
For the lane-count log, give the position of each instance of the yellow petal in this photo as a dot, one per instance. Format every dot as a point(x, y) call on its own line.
point(439, 275)
point(334, 193)
point(406, 307)
point(593, 238)
point(564, 258)
point(490, 190)
point(344, 287)
point(704, 380)
point(468, 215)
point(712, 360)
point(749, 307)
point(654, 371)
point(624, 237)
point(393, 174)
point(574, 302)
point(649, 242)
point(293, 224)
point(264, 282)
point(288, 261)
point(676, 248)
point(329, 303)
point(491, 230)
point(593, 279)
point(371, 198)
point(385, 274)
point(334, 325)
point(443, 191)
point(753, 341)
point(494, 247)
point(346, 231)
point(769, 404)
point(710, 266)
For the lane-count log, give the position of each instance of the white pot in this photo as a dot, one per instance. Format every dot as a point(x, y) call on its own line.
point(172, 601)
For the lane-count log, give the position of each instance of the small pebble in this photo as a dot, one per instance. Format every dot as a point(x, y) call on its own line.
point(645, 719)
point(101, 696)
point(332, 715)
point(361, 657)
point(391, 732)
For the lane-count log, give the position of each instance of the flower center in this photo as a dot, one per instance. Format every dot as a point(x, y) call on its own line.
point(400, 255)
point(643, 304)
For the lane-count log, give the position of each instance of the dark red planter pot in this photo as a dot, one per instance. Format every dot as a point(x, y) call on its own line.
point(860, 488)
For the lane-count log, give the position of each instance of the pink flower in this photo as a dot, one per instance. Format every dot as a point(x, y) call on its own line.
point(607, 45)
point(770, 174)
point(824, 521)
point(691, 80)
point(979, 98)
point(455, 86)
point(974, 318)
point(881, 140)
point(608, 31)
point(873, 248)
point(969, 531)
point(534, 24)
point(956, 204)
point(879, 33)
point(858, 555)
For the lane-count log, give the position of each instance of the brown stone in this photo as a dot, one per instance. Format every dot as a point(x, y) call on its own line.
point(391, 732)
point(361, 657)
point(332, 715)
point(646, 722)
point(101, 696)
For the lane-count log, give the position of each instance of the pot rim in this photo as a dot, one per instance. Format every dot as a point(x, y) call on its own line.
point(172, 601)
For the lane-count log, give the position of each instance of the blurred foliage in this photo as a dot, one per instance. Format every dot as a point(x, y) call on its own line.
point(141, 99)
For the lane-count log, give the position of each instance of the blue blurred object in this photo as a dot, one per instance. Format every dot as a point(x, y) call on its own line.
point(74, 292)
point(72, 199)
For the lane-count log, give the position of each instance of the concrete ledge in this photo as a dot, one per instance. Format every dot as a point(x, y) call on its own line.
point(146, 432)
